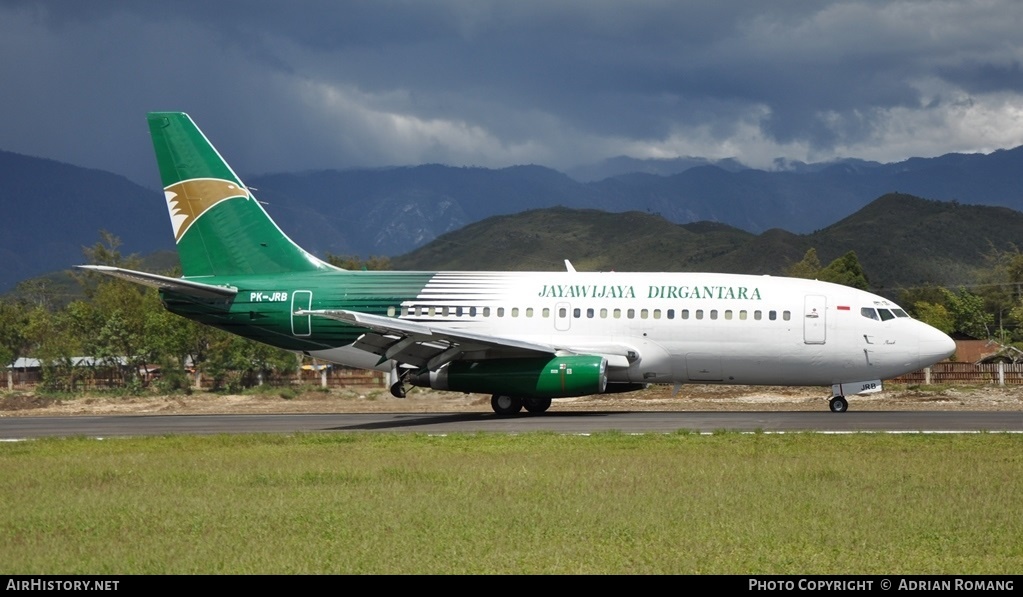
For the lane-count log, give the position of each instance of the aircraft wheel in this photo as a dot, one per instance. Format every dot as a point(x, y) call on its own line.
point(839, 404)
point(536, 405)
point(505, 405)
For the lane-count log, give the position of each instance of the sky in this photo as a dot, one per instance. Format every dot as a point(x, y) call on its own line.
point(295, 86)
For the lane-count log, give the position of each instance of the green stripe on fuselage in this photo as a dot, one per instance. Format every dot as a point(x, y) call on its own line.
point(264, 307)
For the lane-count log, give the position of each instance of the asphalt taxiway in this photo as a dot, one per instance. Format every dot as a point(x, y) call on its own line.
point(14, 428)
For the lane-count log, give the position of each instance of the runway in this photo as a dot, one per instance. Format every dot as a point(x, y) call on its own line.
point(16, 428)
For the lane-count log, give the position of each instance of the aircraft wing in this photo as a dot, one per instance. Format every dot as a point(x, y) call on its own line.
point(180, 285)
point(424, 345)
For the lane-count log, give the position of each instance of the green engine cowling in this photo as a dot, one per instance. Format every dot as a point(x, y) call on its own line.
point(557, 377)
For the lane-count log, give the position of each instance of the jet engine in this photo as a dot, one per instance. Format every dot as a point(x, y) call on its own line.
point(543, 377)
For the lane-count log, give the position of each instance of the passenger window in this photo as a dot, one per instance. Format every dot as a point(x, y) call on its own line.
point(472, 311)
point(515, 311)
point(657, 313)
point(757, 315)
point(617, 313)
point(786, 315)
point(728, 313)
point(529, 311)
point(500, 311)
point(631, 314)
point(643, 314)
point(589, 314)
point(562, 312)
point(772, 315)
point(546, 312)
point(577, 313)
point(685, 313)
point(671, 314)
point(713, 313)
point(603, 313)
point(390, 311)
point(458, 311)
point(742, 315)
point(699, 313)
point(486, 311)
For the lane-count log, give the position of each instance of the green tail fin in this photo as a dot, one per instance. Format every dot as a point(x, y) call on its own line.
point(219, 227)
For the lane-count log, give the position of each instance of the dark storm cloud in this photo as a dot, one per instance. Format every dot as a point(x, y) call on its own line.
point(335, 84)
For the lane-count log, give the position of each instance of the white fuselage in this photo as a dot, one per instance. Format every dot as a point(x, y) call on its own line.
point(683, 327)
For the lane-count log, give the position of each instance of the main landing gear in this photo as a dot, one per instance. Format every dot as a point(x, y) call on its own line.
point(839, 404)
point(509, 405)
point(397, 380)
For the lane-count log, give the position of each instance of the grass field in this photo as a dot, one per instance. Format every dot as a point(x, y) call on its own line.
point(534, 503)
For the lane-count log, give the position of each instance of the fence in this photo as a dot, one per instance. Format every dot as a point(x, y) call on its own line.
point(966, 374)
point(327, 377)
point(343, 377)
point(333, 377)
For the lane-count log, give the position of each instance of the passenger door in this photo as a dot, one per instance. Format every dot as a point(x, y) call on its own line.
point(815, 308)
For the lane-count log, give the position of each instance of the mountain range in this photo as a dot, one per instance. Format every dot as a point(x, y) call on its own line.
point(51, 210)
point(900, 240)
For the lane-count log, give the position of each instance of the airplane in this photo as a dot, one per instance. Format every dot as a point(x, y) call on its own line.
point(525, 338)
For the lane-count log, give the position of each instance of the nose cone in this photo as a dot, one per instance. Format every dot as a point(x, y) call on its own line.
point(935, 345)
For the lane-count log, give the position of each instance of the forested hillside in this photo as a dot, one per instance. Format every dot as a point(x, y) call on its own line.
point(901, 240)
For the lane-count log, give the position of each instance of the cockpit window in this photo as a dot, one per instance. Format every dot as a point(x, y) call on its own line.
point(868, 313)
point(900, 313)
point(886, 314)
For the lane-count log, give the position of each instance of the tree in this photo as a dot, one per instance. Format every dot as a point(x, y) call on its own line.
point(1001, 288)
point(910, 297)
point(809, 268)
point(178, 342)
point(265, 361)
point(55, 339)
point(968, 314)
point(846, 270)
point(13, 343)
point(105, 252)
point(113, 321)
point(935, 315)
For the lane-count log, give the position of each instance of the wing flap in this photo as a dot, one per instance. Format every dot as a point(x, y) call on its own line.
point(421, 344)
point(424, 332)
point(402, 349)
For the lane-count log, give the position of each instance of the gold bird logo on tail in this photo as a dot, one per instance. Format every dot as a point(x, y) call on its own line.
point(189, 199)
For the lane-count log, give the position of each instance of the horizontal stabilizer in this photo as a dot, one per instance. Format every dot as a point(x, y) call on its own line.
point(197, 289)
